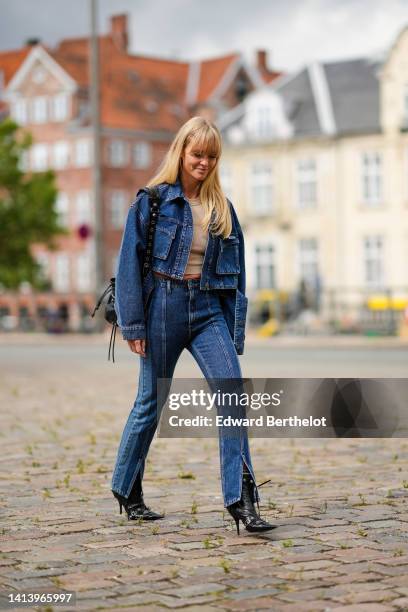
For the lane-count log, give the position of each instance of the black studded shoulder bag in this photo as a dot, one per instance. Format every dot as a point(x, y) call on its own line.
point(109, 293)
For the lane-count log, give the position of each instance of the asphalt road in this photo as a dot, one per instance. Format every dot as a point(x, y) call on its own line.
point(345, 361)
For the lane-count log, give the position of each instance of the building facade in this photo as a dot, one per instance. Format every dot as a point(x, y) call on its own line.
point(143, 101)
point(317, 165)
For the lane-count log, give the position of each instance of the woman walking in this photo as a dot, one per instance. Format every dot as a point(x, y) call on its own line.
point(193, 297)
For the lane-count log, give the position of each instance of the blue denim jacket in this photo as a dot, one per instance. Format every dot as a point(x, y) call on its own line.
point(223, 266)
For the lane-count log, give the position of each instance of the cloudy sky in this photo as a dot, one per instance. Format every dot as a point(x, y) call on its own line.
point(293, 31)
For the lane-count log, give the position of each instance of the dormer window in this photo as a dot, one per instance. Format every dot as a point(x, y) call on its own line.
point(264, 123)
point(265, 118)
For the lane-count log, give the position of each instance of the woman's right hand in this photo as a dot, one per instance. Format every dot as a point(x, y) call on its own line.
point(138, 346)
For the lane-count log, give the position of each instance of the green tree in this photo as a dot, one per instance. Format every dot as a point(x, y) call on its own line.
point(27, 210)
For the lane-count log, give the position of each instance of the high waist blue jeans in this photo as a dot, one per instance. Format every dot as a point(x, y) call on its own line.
point(181, 315)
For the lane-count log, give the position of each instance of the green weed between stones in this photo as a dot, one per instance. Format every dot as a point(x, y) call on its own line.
point(226, 565)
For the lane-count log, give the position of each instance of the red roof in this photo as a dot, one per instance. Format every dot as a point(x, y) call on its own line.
point(211, 73)
point(137, 92)
point(10, 61)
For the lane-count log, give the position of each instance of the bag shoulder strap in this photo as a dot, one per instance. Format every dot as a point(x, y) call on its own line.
point(154, 198)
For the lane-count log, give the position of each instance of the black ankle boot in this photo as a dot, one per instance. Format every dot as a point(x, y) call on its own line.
point(134, 504)
point(244, 509)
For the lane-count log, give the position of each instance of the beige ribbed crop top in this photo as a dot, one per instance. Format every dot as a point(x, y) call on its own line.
point(199, 243)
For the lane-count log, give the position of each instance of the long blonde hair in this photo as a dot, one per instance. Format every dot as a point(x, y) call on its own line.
point(205, 135)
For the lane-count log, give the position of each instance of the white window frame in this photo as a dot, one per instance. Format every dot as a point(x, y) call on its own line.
point(117, 208)
point(142, 154)
point(24, 162)
point(264, 126)
point(60, 154)
point(60, 107)
point(83, 152)
point(265, 265)
point(62, 208)
point(20, 111)
point(308, 260)
point(84, 272)
point(39, 157)
point(261, 186)
point(43, 260)
point(306, 183)
point(372, 177)
point(118, 153)
point(374, 261)
point(83, 214)
point(62, 273)
point(39, 109)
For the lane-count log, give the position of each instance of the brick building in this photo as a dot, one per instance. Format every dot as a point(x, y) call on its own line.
point(143, 101)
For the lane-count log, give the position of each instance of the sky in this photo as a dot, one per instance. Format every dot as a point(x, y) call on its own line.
point(294, 32)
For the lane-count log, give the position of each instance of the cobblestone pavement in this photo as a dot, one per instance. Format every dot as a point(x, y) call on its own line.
point(341, 506)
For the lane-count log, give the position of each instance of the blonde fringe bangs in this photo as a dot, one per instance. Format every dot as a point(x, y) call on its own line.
point(204, 136)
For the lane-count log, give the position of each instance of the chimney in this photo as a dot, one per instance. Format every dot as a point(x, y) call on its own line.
point(119, 32)
point(32, 42)
point(266, 73)
point(261, 60)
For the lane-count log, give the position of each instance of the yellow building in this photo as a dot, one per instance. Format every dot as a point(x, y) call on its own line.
point(316, 164)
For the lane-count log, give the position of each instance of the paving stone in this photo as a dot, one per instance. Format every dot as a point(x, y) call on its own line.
point(195, 589)
point(64, 528)
point(364, 607)
point(379, 595)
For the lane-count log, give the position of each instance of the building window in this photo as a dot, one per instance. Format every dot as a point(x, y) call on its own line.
point(373, 247)
point(265, 266)
point(83, 272)
point(372, 177)
point(83, 207)
point(264, 127)
point(117, 153)
point(226, 179)
point(39, 109)
point(82, 153)
point(19, 111)
point(309, 260)
point(59, 107)
point(306, 182)
point(142, 155)
point(61, 154)
point(261, 181)
point(24, 161)
point(118, 205)
point(43, 261)
point(61, 279)
point(62, 208)
point(39, 157)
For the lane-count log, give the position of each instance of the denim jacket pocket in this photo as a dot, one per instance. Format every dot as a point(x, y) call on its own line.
point(164, 236)
point(228, 256)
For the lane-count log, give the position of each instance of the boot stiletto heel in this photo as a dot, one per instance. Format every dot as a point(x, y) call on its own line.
point(134, 504)
point(244, 509)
